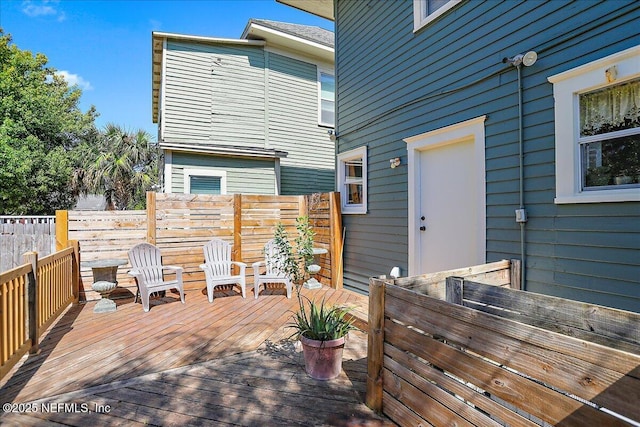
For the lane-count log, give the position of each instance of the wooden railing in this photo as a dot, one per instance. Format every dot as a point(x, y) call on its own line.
point(488, 355)
point(32, 296)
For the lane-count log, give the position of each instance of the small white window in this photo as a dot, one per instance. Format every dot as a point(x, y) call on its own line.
point(598, 154)
point(352, 180)
point(326, 99)
point(202, 181)
point(425, 11)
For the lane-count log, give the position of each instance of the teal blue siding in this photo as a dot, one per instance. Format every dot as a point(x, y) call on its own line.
point(247, 176)
point(589, 252)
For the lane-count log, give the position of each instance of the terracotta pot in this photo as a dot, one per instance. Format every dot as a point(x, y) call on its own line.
point(322, 359)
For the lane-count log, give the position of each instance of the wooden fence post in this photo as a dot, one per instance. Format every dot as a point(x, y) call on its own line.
point(454, 289)
point(32, 301)
point(337, 244)
point(75, 271)
point(515, 271)
point(303, 206)
point(237, 227)
point(151, 217)
point(375, 338)
point(62, 229)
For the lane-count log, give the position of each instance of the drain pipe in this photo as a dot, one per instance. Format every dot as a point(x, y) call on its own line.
point(521, 213)
point(527, 60)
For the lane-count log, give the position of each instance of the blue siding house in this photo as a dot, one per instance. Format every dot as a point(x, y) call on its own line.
point(243, 115)
point(473, 131)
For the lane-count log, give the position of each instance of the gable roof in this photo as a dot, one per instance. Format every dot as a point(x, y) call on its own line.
point(307, 32)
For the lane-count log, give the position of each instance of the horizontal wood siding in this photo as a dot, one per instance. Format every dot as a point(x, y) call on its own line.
point(293, 126)
point(589, 252)
point(244, 175)
point(214, 93)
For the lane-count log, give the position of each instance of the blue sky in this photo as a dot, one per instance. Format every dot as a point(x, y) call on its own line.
point(105, 46)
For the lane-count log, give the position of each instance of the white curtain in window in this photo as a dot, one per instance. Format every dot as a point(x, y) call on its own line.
point(611, 109)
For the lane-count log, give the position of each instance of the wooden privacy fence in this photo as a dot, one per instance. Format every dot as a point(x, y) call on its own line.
point(20, 234)
point(32, 296)
point(180, 225)
point(487, 355)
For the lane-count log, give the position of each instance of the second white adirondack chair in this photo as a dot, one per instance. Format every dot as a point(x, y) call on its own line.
point(273, 274)
point(149, 272)
point(217, 267)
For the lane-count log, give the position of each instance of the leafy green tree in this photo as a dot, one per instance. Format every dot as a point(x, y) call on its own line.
point(124, 170)
point(41, 125)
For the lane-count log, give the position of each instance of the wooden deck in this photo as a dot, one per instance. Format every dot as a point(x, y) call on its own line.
point(224, 363)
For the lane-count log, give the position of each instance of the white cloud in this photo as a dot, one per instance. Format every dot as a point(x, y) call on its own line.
point(42, 8)
point(74, 79)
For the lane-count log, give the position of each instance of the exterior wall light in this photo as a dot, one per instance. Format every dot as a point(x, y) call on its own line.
point(528, 59)
point(395, 162)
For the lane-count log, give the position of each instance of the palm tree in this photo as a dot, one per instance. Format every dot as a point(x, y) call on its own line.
point(125, 168)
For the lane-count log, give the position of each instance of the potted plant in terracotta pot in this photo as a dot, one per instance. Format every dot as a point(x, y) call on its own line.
point(321, 328)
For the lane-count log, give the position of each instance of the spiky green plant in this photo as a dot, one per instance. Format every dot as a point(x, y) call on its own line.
point(320, 321)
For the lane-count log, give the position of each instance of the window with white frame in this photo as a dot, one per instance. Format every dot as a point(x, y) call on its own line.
point(202, 181)
point(352, 180)
point(609, 136)
point(425, 11)
point(598, 156)
point(326, 99)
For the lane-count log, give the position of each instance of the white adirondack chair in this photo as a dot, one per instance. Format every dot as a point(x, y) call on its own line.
point(217, 267)
point(149, 272)
point(273, 264)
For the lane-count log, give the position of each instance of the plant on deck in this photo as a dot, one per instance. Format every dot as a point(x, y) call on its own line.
point(321, 322)
point(316, 321)
point(295, 262)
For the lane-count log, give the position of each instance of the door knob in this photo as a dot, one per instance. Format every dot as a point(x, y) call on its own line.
point(422, 228)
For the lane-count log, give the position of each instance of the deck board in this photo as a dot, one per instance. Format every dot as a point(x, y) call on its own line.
point(223, 363)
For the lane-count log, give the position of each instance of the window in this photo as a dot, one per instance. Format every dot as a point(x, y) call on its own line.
point(202, 181)
point(610, 136)
point(425, 11)
point(204, 184)
point(598, 157)
point(326, 99)
point(352, 180)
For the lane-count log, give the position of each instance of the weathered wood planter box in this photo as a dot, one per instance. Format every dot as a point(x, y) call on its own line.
point(456, 352)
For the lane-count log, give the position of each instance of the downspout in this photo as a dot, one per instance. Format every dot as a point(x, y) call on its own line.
point(527, 60)
point(521, 213)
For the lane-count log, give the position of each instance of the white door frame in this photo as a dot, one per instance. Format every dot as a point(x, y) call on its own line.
point(472, 129)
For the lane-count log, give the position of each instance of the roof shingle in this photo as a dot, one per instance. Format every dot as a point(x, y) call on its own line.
point(307, 32)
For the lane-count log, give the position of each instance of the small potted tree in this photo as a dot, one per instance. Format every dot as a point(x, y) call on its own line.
point(321, 328)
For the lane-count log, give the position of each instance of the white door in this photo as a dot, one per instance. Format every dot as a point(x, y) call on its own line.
point(446, 173)
point(448, 234)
